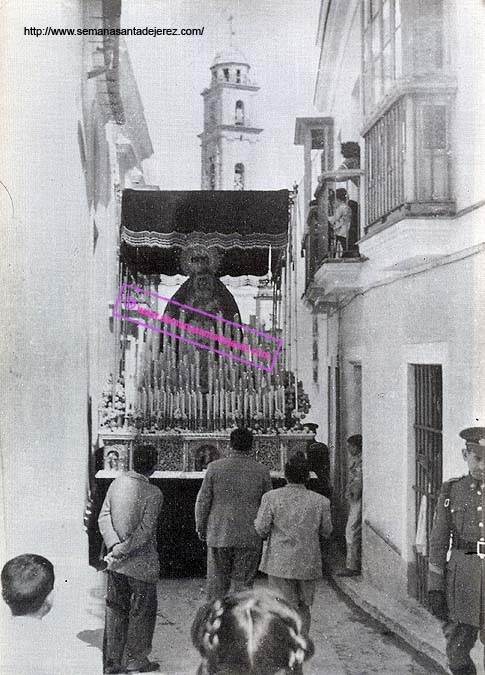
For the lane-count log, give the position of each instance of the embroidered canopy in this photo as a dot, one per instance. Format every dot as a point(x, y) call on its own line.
point(156, 226)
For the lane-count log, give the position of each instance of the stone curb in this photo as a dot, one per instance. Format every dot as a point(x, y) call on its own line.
point(377, 610)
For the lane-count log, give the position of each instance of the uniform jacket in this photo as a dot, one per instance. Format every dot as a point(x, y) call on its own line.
point(228, 501)
point(293, 520)
point(129, 516)
point(463, 576)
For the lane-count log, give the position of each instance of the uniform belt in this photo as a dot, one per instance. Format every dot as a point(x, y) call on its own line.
point(477, 547)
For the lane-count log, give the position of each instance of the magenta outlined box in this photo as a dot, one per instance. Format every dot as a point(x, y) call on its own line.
point(133, 302)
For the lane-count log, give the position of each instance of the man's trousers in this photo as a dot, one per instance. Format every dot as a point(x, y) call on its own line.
point(230, 564)
point(353, 536)
point(131, 611)
point(460, 639)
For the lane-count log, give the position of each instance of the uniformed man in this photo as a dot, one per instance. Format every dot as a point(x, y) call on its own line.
point(456, 583)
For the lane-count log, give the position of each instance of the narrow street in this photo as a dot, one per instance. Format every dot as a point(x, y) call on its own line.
point(347, 642)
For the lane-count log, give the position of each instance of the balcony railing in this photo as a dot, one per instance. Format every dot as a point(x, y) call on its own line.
point(333, 224)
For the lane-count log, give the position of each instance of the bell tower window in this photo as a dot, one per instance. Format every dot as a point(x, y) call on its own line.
point(239, 116)
point(239, 176)
point(238, 75)
point(226, 74)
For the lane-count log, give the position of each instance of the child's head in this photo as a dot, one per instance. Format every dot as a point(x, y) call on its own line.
point(27, 584)
point(249, 633)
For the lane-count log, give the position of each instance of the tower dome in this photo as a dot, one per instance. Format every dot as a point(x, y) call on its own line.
point(229, 55)
point(230, 65)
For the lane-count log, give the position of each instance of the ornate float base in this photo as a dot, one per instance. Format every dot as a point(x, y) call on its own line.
point(186, 454)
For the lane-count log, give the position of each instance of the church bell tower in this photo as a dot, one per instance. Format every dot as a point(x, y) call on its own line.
point(229, 136)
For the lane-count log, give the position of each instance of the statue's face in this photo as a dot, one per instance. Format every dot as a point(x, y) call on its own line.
point(203, 284)
point(199, 263)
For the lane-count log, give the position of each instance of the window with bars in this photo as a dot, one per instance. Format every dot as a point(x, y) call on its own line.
point(385, 147)
point(428, 433)
point(382, 48)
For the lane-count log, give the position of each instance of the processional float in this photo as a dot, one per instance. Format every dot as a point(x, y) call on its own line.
point(185, 399)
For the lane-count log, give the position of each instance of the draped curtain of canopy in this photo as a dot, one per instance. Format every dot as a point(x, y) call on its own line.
point(156, 226)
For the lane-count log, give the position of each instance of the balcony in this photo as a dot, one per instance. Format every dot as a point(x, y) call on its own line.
point(330, 240)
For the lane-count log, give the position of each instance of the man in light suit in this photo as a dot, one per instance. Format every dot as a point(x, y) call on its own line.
point(128, 524)
point(225, 510)
point(294, 522)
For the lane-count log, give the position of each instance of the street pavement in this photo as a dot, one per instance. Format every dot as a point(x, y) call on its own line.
point(347, 641)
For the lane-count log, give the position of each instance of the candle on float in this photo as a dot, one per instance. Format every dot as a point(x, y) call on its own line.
point(174, 354)
point(201, 407)
point(143, 401)
point(197, 372)
point(221, 403)
point(228, 405)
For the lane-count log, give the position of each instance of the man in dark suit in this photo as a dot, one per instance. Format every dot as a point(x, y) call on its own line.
point(225, 510)
point(456, 579)
point(128, 524)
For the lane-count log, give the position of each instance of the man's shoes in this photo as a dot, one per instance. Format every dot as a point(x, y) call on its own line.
point(148, 667)
point(347, 572)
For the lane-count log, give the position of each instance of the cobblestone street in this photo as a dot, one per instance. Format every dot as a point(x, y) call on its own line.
point(347, 642)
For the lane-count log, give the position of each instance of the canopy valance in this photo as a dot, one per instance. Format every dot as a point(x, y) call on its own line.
point(156, 226)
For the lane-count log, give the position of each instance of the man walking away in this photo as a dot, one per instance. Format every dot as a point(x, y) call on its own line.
point(456, 582)
point(294, 521)
point(225, 510)
point(128, 524)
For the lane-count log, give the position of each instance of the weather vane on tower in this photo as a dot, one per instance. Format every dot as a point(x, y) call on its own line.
point(231, 30)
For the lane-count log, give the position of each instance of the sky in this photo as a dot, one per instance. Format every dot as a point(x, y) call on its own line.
point(277, 37)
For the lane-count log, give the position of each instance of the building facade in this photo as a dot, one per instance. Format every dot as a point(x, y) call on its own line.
point(77, 135)
point(401, 330)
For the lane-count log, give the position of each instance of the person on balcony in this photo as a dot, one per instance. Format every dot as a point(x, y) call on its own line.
point(341, 222)
point(314, 240)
